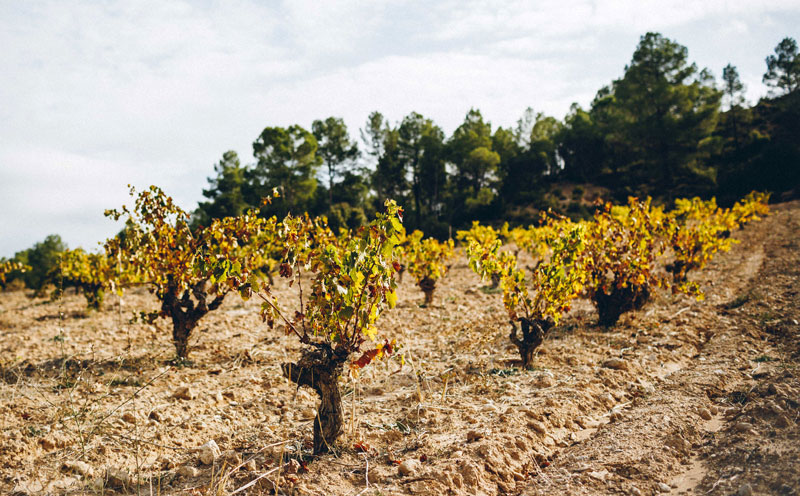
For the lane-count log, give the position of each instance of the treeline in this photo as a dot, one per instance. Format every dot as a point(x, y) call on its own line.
point(666, 129)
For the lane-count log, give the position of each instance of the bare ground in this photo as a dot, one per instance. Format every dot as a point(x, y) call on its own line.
point(682, 397)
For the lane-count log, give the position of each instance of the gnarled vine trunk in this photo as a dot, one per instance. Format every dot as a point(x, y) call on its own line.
point(186, 310)
point(533, 331)
point(94, 295)
point(319, 368)
point(495, 280)
point(428, 286)
point(611, 306)
point(679, 270)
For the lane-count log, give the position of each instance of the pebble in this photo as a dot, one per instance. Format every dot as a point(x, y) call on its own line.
point(166, 463)
point(664, 488)
point(209, 452)
point(704, 413)
point(129, 417)
point(293, 466)
point(635, 491)
point(409, 467)
point(187, 471)
point(745, 490)
point(117, 478)
point(185, 393)
point(598, 475)
point(616, 363)
point(537, 426)
point(79, 467)
point(742, 427)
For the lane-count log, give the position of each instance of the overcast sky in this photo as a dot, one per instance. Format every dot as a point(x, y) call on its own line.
point(95, 95)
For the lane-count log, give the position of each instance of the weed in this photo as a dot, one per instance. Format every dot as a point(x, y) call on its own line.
point(126, 381)
point(34, 431)
point(181, 362)
point(765, 317)
point(63, 384)
point(740, 300)
point(739, 397)
point(504, 372)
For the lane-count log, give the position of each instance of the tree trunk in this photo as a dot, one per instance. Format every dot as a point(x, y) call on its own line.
point(679, 270)
point(611, 306)
point(330, 186)
point(94, 296)
point(181, 329)
point(428, 286)
point(320, 368)
point(186, 312)
point(533, 332)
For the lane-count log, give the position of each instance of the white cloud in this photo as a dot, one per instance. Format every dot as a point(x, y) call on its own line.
point(48, 191)
point(99, 94)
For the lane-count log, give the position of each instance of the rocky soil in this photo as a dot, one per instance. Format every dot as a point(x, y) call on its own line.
point(681, 397)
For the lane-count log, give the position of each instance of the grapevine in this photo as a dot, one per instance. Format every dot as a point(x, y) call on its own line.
point(178, 263)
point(538, 303)
point(10, 268)
point(622, 248)
point(427, 261)
point(88, 272)
point(351, 283)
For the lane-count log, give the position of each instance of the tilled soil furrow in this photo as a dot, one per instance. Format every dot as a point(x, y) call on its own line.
point(688, 436)
point(679, 396)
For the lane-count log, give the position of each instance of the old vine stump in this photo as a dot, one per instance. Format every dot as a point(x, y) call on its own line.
point(319, 368)
point(533, 331)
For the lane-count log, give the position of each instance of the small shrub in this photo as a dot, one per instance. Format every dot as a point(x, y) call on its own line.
point(352, 283)
point(426, 260)
point(536, 303)
point(623, 245)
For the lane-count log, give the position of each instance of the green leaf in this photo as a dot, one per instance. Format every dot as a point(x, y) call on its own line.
point(346, 313)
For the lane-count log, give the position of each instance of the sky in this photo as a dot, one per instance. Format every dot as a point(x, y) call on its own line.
point(96, 95)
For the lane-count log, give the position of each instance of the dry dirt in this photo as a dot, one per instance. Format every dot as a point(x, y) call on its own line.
point(681, 397)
